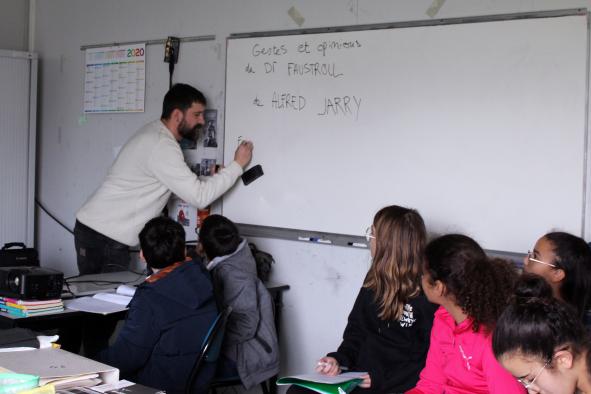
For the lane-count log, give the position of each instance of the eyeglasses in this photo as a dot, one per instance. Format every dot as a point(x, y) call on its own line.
point(369, 234)
point(531, 258)
point(528, 383)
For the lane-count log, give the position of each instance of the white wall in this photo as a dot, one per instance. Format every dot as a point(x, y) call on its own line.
point(75, 152)
point(14, 24)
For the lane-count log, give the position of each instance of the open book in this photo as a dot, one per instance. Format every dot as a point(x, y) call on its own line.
point(340, 384)
point(121, 296)
point(104, 303)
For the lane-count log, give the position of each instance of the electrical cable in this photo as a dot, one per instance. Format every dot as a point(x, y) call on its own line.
point(53, 216)
point(63, 225)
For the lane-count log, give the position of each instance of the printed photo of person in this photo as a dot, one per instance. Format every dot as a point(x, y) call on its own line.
point(182, 216)
point(210, 128)
point(207, 167)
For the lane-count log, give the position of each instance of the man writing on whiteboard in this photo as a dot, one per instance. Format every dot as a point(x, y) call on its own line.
point(149, 167)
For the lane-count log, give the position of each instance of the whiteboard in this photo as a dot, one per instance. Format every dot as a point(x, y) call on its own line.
point(479, 126)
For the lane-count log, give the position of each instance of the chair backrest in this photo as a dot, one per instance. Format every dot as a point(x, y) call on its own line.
point(211, 346)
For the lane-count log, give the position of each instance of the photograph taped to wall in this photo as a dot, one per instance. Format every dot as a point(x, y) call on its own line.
point(182, 214)
point(207, 167)
point(210, 129)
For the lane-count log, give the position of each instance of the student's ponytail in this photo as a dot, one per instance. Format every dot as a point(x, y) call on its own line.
point(530, 287)
point(536, 324)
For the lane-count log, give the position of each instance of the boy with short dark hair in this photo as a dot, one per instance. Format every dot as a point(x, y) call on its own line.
point(250, 348)
point(169, 315)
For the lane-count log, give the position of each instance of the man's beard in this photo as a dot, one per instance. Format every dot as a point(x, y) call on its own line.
point(190, 133)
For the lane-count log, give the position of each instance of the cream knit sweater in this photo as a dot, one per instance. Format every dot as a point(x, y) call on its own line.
point(138, 185)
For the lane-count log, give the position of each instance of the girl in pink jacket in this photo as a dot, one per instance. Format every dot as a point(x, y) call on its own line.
point(472, 292)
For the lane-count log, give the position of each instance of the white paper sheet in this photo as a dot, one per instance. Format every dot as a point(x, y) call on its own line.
point(93, 305)
point(118, 299)
point(126, 290)
point(316, 377)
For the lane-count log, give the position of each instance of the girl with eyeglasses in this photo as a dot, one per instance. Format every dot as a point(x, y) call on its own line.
point(387, 334)
point(564, 261)
point(472, 292)
point(541, 341)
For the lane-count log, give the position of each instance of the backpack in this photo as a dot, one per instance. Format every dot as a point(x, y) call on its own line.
point(263, 261)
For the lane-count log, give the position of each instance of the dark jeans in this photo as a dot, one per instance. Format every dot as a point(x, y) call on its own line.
point(90, 334)
point(97, 253)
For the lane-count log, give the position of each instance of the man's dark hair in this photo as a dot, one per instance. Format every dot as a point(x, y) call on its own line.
point(181, 96)
point(219, 236)
point(163, 242)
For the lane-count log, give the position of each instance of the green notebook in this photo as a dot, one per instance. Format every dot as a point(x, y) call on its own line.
point(340, 384)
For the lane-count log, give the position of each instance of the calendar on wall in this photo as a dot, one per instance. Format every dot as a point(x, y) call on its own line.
point(115, 79)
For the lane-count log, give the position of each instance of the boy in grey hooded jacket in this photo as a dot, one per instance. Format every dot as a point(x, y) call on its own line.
point(250, 343)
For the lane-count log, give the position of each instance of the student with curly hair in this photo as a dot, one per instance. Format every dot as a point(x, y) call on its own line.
point(472, 291)
point(541, 341)
point(564, 261)
point(387, 334)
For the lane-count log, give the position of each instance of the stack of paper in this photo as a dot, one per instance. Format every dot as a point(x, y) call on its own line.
point(22, 308)
point(84, 380)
